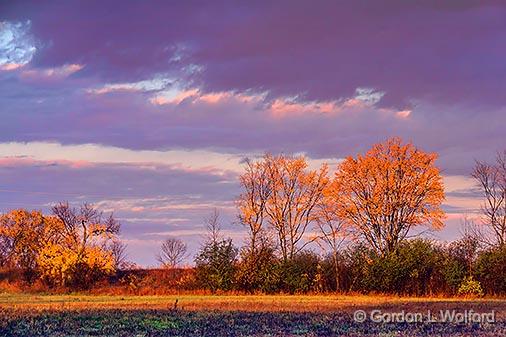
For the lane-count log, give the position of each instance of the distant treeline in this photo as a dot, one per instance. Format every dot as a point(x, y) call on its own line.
point(361, 216)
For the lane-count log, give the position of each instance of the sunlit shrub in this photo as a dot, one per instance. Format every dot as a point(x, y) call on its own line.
point(60, 266)
point(470, 288)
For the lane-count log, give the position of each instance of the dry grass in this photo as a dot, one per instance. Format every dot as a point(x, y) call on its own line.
point(255, 303)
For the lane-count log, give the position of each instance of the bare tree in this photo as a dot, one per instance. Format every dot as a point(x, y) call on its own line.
point(172, 253)
point(213, 227)
point(85, 226)
point(492, 182)
point(118, 251)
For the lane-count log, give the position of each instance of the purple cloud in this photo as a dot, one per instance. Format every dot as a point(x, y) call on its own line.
point(412, 51)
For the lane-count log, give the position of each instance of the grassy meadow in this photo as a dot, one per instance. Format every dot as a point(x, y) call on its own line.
point(233, 315)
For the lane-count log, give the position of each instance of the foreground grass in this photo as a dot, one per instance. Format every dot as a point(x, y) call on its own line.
point(224, 323)
point(88, 315)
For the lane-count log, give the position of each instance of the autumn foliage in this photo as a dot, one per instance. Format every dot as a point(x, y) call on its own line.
point(388, 191)
point(67, 249)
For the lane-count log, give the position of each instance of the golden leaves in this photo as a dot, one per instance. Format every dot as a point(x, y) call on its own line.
point(31, 241)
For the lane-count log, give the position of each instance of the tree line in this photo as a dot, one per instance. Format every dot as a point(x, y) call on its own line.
point(362, 214)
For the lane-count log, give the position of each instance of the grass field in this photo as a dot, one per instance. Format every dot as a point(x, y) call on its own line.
point(195, 315)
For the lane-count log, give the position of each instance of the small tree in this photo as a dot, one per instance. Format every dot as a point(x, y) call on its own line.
point(172, 253)
point(217, 258)
point(213, 226)
point(23, 234)
point(490, 270)
point(258, 270)
point(300, 274)
point(119, 255)
point(216, 265)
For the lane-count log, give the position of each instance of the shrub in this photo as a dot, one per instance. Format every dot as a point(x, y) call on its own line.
point(454, 271)
point(356, 260)
point(327, 272)
point(216, 265)
point(470, 288)
point(459, 257)
point(299, 274)
point(132, 282)
point(414, 268)
point(60, 266)
point(490, 270)
point(258, 271)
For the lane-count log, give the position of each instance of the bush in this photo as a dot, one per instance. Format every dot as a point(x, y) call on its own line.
point(216, 265)
point(490, 270)
point(459, 257)
point(300, 274)
point(470, 288)
point(356, 260)
point(414, 268)
point(63, 267)
point(258, 271)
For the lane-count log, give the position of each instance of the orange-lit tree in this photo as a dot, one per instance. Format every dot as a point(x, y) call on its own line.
point(280, 191)
point(332, 231)
point(388, 191)
point(252, 203)
point(82, 254)
point(22, 235)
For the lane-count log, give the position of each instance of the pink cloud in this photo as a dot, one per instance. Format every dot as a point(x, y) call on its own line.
point(173, 98)
point(283, 107)
point(218, 97)
point(51, 74)
point(403, 113)
point(27, 161)
point(10, 66)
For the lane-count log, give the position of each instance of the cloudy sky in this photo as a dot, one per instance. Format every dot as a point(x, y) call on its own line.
point(146, 108)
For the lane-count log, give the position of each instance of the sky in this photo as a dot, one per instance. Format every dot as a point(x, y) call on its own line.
point(148, 108)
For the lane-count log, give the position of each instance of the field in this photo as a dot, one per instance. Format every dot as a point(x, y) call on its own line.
point(194, 315)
